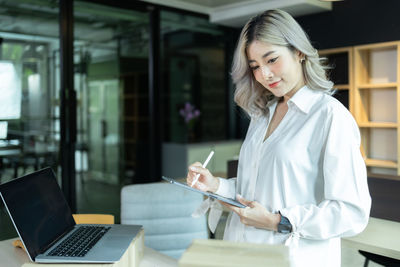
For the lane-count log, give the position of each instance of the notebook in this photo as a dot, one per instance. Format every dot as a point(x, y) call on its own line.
point(43, 220)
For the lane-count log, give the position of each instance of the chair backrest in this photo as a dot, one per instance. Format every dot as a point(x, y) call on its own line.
point(165, 211)
point(384, 190)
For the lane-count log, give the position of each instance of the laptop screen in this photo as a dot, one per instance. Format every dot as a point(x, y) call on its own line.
point(38, 209)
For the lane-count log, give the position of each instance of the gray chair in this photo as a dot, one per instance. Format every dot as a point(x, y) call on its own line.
point(165, 211)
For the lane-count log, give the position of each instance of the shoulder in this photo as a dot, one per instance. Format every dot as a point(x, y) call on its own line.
point(333, 108)
point(337, 117)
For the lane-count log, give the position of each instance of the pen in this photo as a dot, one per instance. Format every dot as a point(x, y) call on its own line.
point(204, 165)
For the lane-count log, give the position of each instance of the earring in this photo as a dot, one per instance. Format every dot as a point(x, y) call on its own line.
point(302, 60)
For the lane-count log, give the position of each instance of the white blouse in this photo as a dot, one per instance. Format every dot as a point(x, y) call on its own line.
point(311, 170)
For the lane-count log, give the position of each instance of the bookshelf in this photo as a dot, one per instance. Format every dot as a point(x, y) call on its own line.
point(376, 96)
point(367, 79)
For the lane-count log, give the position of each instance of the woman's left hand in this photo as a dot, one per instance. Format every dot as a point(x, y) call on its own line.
point(255, 214)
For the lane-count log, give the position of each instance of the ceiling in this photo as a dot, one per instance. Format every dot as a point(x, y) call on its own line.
point(235, 13)
point(102, 26)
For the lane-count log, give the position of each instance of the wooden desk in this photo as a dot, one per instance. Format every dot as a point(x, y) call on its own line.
point(137, 255)
point(221, 253)
point(381, 237)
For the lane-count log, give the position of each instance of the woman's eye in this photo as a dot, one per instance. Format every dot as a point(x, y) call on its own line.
point(272, 60)
point(253, 67)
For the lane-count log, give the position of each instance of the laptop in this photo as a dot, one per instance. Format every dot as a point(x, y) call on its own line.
point(44, 223)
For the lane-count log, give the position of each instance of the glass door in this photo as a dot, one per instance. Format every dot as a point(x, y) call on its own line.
point(111, 80)
point(103, 137)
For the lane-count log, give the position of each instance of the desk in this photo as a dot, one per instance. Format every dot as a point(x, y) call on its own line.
point(13, 154)
point(380, 237)
point(212, 253)
point(137, 255)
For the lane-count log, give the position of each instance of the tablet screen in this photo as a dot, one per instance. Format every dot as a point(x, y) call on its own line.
point(209, 194)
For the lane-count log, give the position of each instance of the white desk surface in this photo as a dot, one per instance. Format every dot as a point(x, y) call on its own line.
point(11, 256)
point(212, 253)
point(379, 237)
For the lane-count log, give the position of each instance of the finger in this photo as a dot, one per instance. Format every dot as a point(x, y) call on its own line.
point(226, 204)
point(199, 169)
point(200, 186)
point(198, 164)
point(190, 177)
point(244, 201)
point(190, 171)
point(233, 208)
point(237, 210)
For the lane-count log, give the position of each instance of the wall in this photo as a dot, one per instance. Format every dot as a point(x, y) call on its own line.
point(354, 22)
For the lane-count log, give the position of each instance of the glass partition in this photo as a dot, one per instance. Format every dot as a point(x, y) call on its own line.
point(194, 89)
point(111, 79)
point(29, 121)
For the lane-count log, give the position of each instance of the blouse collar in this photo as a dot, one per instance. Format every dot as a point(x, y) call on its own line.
point(304, 99)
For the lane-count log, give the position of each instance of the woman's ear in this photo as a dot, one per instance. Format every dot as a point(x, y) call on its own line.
point(300, 56)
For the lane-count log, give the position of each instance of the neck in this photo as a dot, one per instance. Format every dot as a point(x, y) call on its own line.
point(291, 93)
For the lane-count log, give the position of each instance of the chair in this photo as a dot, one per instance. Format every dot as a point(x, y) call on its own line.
point(384, 190)
point(165, 211)
point(385, 261)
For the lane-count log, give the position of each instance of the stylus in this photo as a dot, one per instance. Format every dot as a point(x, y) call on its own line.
point(204, 165)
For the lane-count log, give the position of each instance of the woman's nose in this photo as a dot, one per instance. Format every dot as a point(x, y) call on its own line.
point(266, 72)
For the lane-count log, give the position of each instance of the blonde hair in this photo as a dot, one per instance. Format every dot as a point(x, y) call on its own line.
point(275, 27)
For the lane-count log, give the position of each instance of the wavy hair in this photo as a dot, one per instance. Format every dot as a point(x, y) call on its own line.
point(275, 27)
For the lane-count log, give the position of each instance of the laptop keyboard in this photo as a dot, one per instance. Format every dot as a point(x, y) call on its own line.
point(80, 242)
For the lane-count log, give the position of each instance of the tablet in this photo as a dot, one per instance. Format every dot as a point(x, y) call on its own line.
point(209, 194)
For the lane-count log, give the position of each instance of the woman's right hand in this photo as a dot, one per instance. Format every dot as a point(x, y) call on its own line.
point(206, 181)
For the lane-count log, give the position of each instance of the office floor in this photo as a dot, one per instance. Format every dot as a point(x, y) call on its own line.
point(95, 197)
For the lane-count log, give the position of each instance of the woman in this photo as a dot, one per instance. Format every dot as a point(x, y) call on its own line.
point(300, 174)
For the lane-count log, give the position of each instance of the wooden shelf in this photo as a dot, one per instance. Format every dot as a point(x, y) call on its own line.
point(377, 125)
point(327, 52)
point(383, 176)
point(341, 86)
point(377, 76)
point(381, 163)
point(379, 46)
point(377, 86)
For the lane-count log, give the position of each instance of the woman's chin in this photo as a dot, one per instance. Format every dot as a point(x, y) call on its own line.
point(276, 93)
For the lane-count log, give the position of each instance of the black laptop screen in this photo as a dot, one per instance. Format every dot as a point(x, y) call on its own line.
point(38, 209)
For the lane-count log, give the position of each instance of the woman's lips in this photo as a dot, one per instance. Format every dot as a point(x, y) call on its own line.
point(275, 84)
